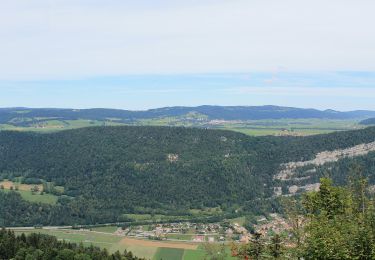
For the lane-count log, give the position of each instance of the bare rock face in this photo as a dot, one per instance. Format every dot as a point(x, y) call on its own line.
point(293, 189)
point(172, 157)
point(311, 187)
point(288, 170)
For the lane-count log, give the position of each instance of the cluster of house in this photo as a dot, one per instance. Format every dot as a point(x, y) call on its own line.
point(198, 232)
point(276, 225)
point(237, 232)
point(213, 232)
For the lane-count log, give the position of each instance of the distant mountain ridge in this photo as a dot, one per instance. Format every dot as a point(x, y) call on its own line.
point(12, 115)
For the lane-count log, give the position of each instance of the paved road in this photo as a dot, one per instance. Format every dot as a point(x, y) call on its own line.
point(47, 227)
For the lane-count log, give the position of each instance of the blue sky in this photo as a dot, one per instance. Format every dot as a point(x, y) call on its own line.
point(145, 54)
point(340, 90)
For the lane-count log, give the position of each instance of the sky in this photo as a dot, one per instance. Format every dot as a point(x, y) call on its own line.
point(146, 54)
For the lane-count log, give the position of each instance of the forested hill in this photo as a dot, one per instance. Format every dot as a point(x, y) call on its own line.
point(369, 121)
point(108, 171)
point(25, 116)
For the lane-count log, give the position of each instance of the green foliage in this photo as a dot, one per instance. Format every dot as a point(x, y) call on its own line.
point(275, 247)
point(339, 222)
point(39, 246)
point(329, 201)
point(333, 223)
point(109, 171)
point(215, 251)
point(255, 249)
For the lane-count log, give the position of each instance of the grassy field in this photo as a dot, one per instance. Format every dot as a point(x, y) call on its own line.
point(25, 191)
point(201, 213)
point(194, 254)
point(241, 220)
point(45, 198)
point(180, 236)
point(169, 253)
point(250, 127)
point(156, 217)
point(75, 236)
point(291, 126)
point(105, 229)
point(153, 250)
point(20, 186)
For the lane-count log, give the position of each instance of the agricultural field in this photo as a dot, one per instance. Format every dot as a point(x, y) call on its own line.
point(194, 254)
point(263, 127)
point(250, 127)
point(169, 253)
point(186, 237)
point(153, 250)
point(297, 127)
point(105, 229)
point(54, 125)
point(25, 190)
point(160, 218)
point(199, 213)
point(240, 220)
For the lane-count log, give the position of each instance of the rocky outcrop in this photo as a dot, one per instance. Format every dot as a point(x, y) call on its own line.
point(289, 169)
point(292, 171)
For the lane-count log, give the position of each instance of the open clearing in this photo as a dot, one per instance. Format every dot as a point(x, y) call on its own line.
point(142, 248)
point(250, 127)
point(25, 191)
point(111, 242)
point(169, 253)
point(105, 229)
point(22, 187)
point(150, 243)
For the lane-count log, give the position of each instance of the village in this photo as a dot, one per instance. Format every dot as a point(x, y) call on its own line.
point(211, 232)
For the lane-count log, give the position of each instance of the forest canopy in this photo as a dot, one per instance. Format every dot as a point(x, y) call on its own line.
point(106, 172)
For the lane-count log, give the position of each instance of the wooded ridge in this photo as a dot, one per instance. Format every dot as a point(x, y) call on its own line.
point(106, 172)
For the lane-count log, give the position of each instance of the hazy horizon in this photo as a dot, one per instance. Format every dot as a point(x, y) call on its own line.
point(141, 55)
point(213, 105)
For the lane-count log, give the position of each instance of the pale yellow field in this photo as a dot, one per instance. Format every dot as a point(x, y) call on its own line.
point(24, 187)
point(112, 242)
point(149, 243)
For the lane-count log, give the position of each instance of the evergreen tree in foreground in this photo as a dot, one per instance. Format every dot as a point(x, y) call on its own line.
point(333, 223)
point(45, 247)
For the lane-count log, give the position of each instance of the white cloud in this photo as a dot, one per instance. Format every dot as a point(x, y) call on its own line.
point(62, 39)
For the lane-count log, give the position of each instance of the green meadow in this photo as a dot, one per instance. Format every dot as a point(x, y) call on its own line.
point(103, 237)
point(250, 127)
point(25, 191)
point(169, 253)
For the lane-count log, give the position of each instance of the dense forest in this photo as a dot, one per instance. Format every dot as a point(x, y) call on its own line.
point(106, 172)
point(45, 247)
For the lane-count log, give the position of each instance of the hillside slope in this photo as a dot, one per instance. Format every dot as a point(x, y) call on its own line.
point(109, 171)
point(27, 116)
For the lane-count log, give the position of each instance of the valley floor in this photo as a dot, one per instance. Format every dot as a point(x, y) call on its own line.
point(278, 127)
point(168, 250)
